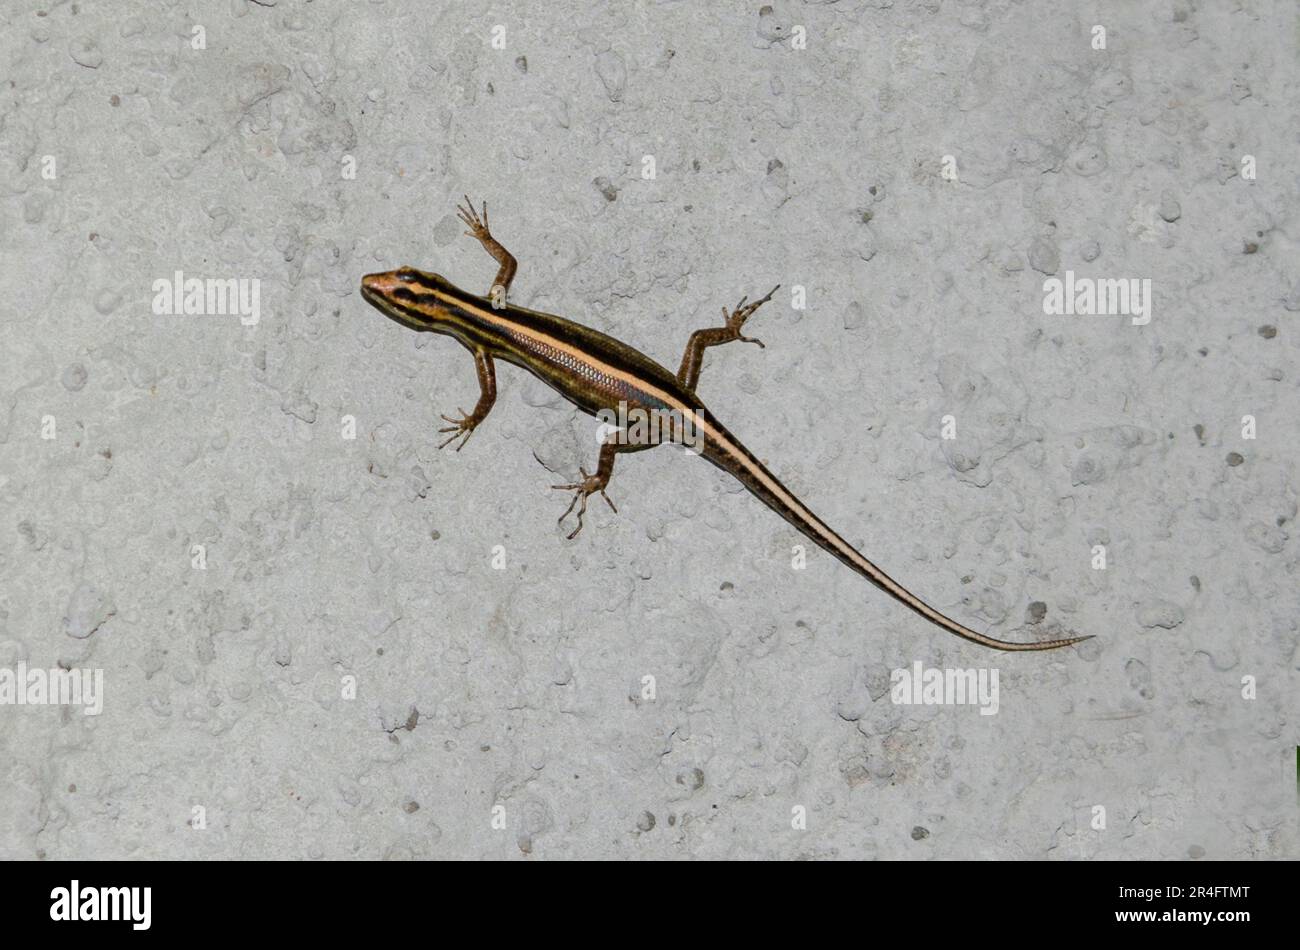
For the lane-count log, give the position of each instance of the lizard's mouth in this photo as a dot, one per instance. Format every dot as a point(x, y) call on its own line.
point(381, 302)
point(377, 290)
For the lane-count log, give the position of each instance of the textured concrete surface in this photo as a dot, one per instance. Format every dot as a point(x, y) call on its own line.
point(181, 509)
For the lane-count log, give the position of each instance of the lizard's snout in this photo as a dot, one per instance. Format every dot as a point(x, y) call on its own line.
point(379, 284)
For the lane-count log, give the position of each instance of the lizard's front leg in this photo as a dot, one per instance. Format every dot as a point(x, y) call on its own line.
point(487, 385)
point(478, 228)
point(693, 358)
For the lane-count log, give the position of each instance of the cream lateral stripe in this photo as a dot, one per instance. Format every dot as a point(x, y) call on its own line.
point(852, 553)
point(581, 355)
point(760, 474)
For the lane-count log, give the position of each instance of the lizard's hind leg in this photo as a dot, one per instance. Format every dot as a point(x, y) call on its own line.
point(593, 484)
point(693, 358)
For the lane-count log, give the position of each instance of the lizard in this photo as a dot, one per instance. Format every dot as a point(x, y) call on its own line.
point(607, 378)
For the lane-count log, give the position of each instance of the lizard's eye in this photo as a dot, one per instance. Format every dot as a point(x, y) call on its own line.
point(406, 275)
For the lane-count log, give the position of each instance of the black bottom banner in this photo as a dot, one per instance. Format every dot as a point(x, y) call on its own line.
point(1223, 901)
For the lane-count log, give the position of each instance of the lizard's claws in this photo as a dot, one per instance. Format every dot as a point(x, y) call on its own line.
point(478, 227)
point(736, 319)
point(590, 485)
point(464, 425)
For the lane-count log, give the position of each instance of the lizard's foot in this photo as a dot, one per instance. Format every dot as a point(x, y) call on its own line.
point(461, 428)
point(590, 485)
point(478, 227)
point(736, 319)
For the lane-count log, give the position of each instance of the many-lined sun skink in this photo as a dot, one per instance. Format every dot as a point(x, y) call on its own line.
point(644, 403)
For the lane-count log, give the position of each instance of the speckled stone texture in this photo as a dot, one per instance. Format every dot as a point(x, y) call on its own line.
point(181, 507)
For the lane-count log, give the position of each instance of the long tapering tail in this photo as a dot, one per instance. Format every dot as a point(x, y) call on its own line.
point(732, 457)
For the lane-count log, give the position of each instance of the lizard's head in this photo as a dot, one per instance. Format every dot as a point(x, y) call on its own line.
point(411, 297)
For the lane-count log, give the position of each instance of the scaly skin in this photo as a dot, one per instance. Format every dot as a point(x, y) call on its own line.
point(600, 375)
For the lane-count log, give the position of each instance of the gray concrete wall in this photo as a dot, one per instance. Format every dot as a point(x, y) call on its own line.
point(181, 508)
